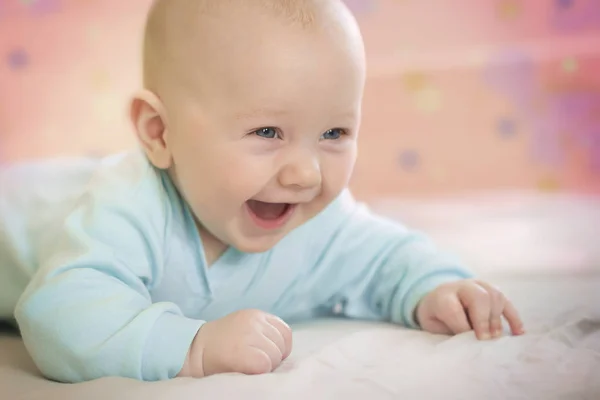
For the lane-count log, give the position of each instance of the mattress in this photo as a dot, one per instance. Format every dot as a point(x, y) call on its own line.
point(541, 250)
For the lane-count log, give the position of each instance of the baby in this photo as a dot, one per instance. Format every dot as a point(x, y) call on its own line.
point(183, 259)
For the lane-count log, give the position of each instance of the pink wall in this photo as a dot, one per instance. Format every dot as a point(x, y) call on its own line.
point(467, 95)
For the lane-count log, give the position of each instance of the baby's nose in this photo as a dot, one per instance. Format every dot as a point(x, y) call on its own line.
point(304, 173)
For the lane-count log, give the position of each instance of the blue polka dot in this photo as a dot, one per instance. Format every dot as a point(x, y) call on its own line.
point(507, 127)
point(409, 160)
point(18, 59)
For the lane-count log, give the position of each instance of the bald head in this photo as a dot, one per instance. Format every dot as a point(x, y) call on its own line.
point(186, 35)
point(216, 72)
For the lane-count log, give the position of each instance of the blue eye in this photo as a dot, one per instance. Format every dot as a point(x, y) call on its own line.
point(333, 134)
point(267, 133)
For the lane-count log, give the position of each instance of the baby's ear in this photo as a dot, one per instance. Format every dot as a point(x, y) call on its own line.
point(147, 114)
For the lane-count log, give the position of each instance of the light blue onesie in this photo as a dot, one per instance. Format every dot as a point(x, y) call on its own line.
point(103, 269)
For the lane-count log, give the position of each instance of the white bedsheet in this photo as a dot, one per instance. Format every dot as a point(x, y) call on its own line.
point(559, 358)
point(542, 251)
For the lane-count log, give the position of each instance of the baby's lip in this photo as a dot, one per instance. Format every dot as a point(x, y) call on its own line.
point(290, 203)
point(265, 216)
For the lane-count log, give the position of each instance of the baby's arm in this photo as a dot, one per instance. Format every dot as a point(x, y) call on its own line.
point(88, 314)
point(376, 268)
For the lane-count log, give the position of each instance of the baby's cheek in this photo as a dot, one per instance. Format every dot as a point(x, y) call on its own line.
point(246, 176)
point(337, 172)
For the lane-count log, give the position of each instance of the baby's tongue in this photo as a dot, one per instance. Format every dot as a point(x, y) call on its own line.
point(268, 211)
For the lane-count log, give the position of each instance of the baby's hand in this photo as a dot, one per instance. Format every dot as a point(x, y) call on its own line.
point(458, 307)
point(248, 342)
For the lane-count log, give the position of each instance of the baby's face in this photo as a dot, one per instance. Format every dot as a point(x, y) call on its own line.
point(271, 139)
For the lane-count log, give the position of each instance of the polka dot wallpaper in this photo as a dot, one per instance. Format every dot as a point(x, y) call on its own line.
point(461, 96)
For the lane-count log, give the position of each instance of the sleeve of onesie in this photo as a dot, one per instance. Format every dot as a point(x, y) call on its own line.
point(375, 267)
point(87, 313)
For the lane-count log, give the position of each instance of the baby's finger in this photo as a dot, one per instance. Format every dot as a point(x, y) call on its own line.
point(477, 302)
point(271, 349)
point(514, 320)
point(453, 314)
point(497, 307)
point(286, 333)
point(257, 359)
point(274, 335)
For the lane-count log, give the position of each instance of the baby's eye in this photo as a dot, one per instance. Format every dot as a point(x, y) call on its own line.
point(333, 134)
point(267, 133)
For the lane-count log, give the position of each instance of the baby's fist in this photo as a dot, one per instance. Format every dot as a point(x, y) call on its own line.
point(248, 342)
point(458, 307)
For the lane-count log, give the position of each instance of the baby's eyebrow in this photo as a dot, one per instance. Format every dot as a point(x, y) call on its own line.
point(348, 115)
point(261, 112)
point(275, 112)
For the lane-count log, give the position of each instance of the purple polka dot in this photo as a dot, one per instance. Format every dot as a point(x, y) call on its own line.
point(45, 6)
point(18, 59)
point(571, 16)
point(361, 6)
point(507, 127)
point(409, 160)
point(564, 3)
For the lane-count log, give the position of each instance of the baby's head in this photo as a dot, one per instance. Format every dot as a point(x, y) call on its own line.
point(253, 106)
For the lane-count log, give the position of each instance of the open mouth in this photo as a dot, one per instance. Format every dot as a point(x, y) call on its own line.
point(269, 215)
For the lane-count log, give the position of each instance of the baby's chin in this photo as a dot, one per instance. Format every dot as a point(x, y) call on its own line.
point(264, 241)
point(255, 245)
